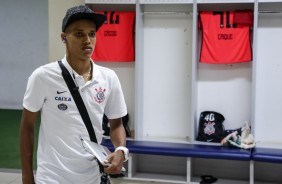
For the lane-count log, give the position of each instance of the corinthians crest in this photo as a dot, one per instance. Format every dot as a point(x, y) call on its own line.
point(100, 95)
point(209, 129)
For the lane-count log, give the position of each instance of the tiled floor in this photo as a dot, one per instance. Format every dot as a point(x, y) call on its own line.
point(14, 177)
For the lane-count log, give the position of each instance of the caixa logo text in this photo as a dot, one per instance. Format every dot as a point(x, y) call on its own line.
point(62, 98)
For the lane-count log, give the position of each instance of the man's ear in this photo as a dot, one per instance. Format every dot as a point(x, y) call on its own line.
point(64, 37)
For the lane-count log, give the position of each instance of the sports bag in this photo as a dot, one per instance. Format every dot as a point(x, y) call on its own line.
point(211, 127)
point(106, 126)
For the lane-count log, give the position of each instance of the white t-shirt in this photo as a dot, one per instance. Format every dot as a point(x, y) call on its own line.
point(61, 157)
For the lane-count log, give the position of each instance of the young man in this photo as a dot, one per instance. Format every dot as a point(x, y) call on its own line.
point(61, 156)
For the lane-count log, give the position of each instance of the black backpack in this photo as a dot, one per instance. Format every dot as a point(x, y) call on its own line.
point(106, 126)
point(211, 127)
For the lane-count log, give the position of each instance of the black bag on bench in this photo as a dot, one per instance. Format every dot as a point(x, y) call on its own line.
point(211, 127)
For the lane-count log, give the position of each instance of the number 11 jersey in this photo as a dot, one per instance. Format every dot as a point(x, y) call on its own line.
point(223, 41)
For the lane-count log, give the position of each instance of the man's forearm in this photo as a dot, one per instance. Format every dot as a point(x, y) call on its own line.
point(26, 146)
point(117, 134)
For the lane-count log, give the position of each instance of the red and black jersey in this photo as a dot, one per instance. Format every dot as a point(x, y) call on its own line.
point(115, 39)
point(223, 41)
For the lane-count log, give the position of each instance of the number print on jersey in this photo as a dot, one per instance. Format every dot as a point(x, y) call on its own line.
point(227, 19)
point(114, 18)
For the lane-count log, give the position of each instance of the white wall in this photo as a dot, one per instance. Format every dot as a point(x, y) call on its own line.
point(30, 37)
point(24, 47)
point(269, 73)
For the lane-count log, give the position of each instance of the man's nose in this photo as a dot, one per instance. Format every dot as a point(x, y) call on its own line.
point(87, 40)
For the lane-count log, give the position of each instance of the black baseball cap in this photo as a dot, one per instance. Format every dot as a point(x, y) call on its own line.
point(82, 12)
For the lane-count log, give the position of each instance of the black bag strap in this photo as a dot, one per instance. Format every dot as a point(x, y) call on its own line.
point(78, 101)
point(83, 112)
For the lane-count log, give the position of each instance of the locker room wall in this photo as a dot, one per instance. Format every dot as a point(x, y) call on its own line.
point(30, 37)
point(24, 47)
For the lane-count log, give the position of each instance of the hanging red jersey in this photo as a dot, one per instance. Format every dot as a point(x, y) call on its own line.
point(115, 39)
point(245, 17)
point(223, 41)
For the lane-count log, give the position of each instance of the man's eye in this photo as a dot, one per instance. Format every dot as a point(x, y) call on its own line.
point(92, 34)
point(79, 34)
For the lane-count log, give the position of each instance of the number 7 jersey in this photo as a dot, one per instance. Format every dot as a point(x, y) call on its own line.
point(223, 40)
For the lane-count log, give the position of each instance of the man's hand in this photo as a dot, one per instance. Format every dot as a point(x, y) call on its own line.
point(115, 161)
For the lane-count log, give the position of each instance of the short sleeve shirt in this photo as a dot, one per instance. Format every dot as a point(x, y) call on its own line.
point(61, 157)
